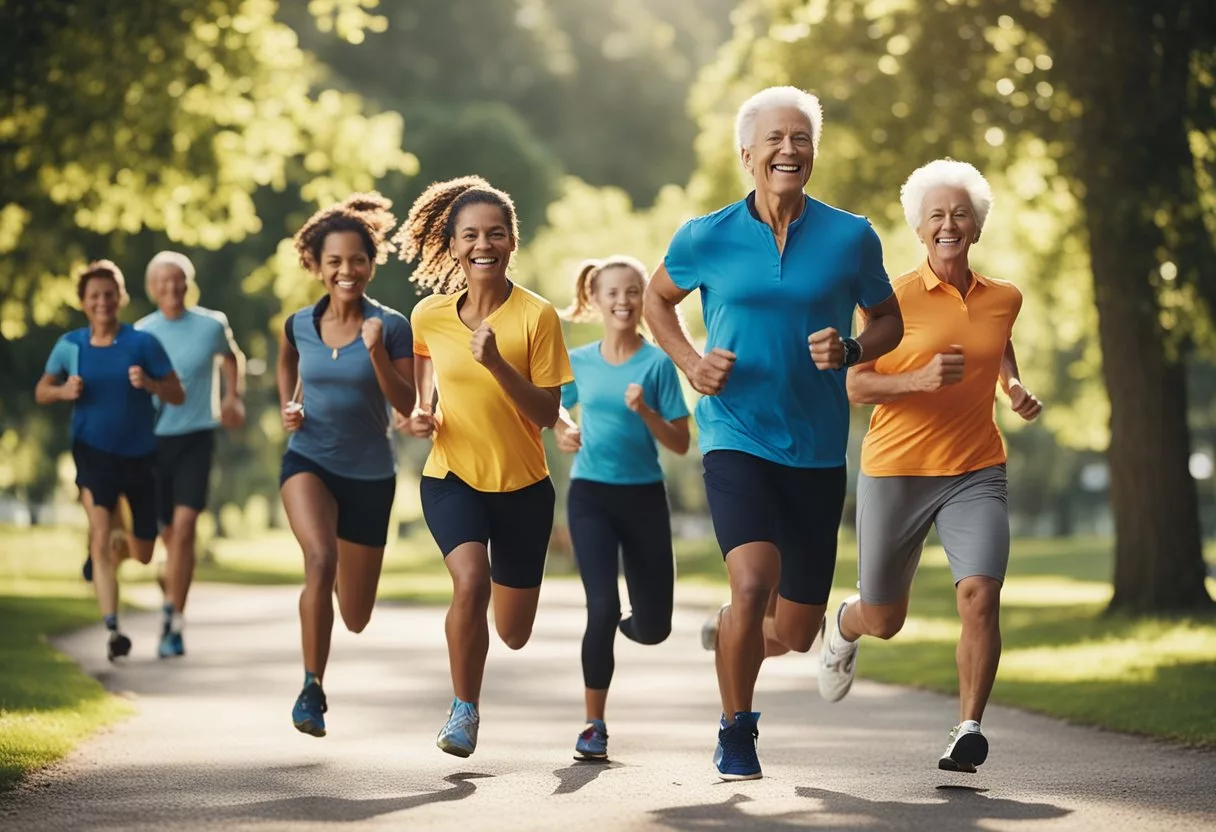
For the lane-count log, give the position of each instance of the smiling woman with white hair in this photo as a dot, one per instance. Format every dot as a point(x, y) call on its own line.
point(933, 454)
point(780, 275)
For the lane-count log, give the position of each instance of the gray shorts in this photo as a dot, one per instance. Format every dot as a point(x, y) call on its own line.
point(894, 514)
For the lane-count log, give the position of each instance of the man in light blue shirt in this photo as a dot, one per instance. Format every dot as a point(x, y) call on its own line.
point(780, 276)
point(201, 346)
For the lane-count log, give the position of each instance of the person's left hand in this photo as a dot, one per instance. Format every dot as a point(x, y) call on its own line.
point(1023, 402)
point(827, 349)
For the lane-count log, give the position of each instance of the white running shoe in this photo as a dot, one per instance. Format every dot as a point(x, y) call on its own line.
point(968, 748)
point(709, 630)
point(836, 667)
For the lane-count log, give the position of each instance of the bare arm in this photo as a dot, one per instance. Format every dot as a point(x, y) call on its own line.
point(396, 379)
point(167, 388)
point(672, 435)
point(287, 373)
point(659, 310)
point(539, 404)
point(232, 375)
point(867, 386)
point(884, 329)
point(424, 383)
point(49, 390)
point(1023, 402)
point(1009, 368)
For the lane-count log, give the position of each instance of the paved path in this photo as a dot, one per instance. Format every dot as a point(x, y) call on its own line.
point(211, 746)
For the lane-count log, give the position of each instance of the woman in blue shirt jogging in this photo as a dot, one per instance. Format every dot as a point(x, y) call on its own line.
point(110, 371)
point(352, 358)
point(630, 402)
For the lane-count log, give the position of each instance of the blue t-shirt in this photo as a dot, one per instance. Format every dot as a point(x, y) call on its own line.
point(762, 306)
point(347, 427)
point(111, 415)
point(617, 447)
point(194, 342)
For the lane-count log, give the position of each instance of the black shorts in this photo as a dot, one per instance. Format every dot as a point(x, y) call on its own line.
point(183, 472)
point(515, 525)
point(365, 507)
point(108, 475)
point(798, 510)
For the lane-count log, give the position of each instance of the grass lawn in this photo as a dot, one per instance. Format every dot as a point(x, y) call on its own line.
point(47, 705)
point(1062, 656)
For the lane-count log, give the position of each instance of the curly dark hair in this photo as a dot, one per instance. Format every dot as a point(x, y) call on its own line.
point(367, 215)
point(427, 232)
point(104, 269)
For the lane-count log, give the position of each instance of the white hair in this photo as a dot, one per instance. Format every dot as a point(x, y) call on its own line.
point(745, 119)
point(168, 258)
point(950, 173)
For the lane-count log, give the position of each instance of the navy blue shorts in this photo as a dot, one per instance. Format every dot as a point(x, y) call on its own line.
point(798, 510)
point(514, 525)
point(108, 475)
point(183, 472)
point(364, 506)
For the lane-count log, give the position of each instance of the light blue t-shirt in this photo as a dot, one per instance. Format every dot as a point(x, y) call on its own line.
point(347, 427)
point(762, 306)
point(194, 342)
point(111, 415)
point(617, 447)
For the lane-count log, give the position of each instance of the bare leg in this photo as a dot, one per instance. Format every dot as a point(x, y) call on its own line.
point(179, 570)
point(979, 647)
point(754, 570)
point(468, 632)
point(357, 581)
point(313, 516)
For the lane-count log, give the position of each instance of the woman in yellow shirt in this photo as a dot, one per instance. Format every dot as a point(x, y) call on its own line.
point(494, 352)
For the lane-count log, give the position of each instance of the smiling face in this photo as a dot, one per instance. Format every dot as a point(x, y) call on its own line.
point(782, 152)
point(168, 284)
point(101, 300)
point(618, 295)
point(344, 266)
point(948, 226)
point(482, 242)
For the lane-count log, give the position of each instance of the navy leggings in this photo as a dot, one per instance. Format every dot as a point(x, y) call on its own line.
point(613, 525)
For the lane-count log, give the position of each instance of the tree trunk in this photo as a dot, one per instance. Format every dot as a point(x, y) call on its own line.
point(1124, 161)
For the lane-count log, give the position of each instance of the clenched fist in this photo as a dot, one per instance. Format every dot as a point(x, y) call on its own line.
point(634, 399)
point(373, 329)
point(421, 424)
point(139, 379)
point(232, 412)
point(709, 376)
point(1023, 402)
point(569, 438)
point(946, 368)
point(827, 349)
point(485, 347)
point(293, 416)
point(72, 389)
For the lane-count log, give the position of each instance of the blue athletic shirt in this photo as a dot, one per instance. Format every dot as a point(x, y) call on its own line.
point(617, 447)
point(111, 415)
point(194, 342)
point(762, 306)
point(347, 427)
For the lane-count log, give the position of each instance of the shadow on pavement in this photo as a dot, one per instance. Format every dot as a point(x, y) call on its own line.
point(574, 777)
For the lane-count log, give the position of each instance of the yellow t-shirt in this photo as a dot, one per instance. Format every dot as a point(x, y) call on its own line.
point(951, 430)
point(480, 435)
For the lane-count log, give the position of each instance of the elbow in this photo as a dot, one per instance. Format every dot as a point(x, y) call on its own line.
point(682, 446)
point(174, 397)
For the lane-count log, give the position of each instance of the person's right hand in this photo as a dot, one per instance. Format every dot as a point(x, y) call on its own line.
point(709, 376)
point(72, 389)
point(421, 424)
point(569, 438)
point(946, 368)
point(293, 416)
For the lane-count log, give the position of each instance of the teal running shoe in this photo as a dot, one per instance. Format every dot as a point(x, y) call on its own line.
point(459, 735)
point(592, 743)
point(308, 713)
point(171, 645)
point(735, 756)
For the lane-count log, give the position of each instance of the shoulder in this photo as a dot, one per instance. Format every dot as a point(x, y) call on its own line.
point(839, 220)
point(1005, 287)
point(390, 315)
point(139, 337)
point(78, 337)
point(212, 316)
point(149, 320)
point(718, 221)
point(907, 283)
point(585, 352)
point(536, 309)
point(304, 314)
point(430, 306)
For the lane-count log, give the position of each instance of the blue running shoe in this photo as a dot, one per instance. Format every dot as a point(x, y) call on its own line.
point(459, 735)
point(307, 715)
point(735, 756)
point(592, 742)
point(171, 645)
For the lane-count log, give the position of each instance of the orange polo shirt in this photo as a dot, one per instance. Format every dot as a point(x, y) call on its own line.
point(951, 430)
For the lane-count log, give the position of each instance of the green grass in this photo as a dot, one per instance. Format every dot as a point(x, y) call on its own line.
point(47, 704)
point(1062, 655)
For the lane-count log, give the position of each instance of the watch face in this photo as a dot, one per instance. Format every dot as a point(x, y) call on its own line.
point(852, 352)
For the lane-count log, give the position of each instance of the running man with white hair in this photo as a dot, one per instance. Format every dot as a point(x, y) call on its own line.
point(780, 275)
point(933, 454)
point(201, 347)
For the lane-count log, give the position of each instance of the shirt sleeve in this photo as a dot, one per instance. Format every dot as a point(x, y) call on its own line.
point(419, 345)
point(670, 397)
point(156, 360)
point(871, 284)
point(548, 361)
point(398, 337)
point(570, 395)
point(64, 359)
point(680, 260)
point(224, 344)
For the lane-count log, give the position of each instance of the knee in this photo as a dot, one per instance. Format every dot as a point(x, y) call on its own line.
point(979, 601)
point(142, 550)
point(185, 528)
point(603, 613)
point(749, 596)
point(320, 567)
point(515, 638)
point(650, 631)
point(799, 641)
point(471, 592)
point(885, 626)
point(355, 621)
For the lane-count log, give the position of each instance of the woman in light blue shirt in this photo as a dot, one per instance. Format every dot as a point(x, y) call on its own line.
point(630, 402)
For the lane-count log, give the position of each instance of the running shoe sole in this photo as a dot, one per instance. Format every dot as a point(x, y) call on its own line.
point(451, 748)
point(309, 727)
point(591, 758)
point(733, 777)
point(969, 751)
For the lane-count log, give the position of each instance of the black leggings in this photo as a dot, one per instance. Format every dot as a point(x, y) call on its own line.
point(631, 520)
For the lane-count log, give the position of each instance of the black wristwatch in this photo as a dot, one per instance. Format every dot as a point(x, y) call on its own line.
point(852, 351)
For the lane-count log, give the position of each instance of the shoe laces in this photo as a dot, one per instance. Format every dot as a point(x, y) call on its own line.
point(313, 698)
point(737, 746)
point(463, 717)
